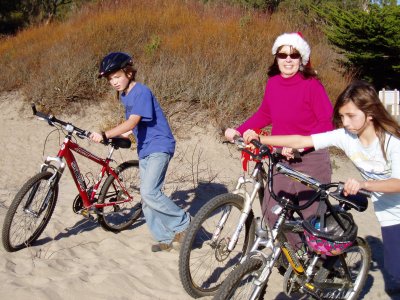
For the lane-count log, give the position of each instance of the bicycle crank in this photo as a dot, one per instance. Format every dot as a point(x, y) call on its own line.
point(77, 205)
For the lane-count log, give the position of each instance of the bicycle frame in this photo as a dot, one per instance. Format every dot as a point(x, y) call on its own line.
point(277, 242)
point(66, 152)
point(248, 203)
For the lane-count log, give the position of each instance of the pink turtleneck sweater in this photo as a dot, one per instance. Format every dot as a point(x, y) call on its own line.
point(292, 106)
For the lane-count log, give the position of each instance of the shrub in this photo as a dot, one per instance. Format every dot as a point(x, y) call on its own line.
point(198, 59)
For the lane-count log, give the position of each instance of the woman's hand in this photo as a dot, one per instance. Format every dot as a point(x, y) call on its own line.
point(96, 137)
point(230, 133)
point(352, 186)
point(249, 135)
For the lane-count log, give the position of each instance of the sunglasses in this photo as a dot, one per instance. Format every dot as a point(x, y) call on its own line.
point(282, 55)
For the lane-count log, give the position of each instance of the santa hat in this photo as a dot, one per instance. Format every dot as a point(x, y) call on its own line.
point(296, 40)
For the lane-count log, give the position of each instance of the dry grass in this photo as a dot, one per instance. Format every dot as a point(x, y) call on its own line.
point(196, 58)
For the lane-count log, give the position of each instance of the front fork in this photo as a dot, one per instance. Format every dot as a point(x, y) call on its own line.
point(248, 202)
point(51, 183)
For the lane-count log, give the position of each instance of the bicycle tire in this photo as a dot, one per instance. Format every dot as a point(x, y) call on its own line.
point(356, 259)
point(116, 218)
point(203, 264)
point(20, 222)
point(238, 285)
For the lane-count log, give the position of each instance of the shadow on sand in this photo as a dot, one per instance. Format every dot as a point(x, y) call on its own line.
point(204, 192)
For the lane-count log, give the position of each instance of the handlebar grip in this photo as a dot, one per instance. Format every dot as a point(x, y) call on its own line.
point(34, 108)
point(256, 143)
point(362, 192)
point(365, 193)
point(38, 113)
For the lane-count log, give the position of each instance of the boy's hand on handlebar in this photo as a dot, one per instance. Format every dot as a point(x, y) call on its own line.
point(230, 133)
point(96, 137)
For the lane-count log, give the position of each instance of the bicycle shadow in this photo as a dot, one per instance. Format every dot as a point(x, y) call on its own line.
point(204, 192)
point(81, 226)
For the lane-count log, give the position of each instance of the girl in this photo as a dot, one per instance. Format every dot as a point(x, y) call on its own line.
point(155, 146)
point(371, 139)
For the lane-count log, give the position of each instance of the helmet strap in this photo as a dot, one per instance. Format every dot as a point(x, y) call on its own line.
point(321, 211)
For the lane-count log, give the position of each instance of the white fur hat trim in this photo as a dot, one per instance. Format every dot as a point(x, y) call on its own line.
point(296, 41)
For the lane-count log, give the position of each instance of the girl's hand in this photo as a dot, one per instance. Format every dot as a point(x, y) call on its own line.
point(288, 153)
point(96, 137)
point(230, 133)
point(249, 135)
point(352, 186)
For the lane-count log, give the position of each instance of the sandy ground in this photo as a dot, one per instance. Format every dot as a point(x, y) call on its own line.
point(76, 259)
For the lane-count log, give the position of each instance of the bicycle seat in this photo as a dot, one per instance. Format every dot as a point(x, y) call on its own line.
point(358, 202)
point(118, 142)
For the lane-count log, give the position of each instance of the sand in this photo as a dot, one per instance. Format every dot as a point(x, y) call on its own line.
point(76, 259)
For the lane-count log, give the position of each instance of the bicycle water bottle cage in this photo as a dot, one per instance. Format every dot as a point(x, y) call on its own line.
point(249, 154)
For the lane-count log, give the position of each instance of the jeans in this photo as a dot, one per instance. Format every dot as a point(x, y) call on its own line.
point(163, 216)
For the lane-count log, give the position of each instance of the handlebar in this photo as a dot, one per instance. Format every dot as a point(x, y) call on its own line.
point(361, 192)
point(264, 150)
point(52, 120)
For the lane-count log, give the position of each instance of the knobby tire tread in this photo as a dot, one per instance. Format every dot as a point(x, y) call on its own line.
point(102, 198)
point(195, 226)
point(16, 203)
point(233, 280)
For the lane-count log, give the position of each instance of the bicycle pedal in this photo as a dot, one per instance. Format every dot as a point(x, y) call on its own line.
point(85, 213)
point(325, 291)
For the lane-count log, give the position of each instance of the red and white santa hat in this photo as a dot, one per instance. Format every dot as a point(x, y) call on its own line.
point(296, 40)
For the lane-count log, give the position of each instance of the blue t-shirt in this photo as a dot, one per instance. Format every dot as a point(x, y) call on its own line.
point(152, 133)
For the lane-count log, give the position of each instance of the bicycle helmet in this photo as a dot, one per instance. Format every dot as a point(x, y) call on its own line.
point(324, 235)
point(114, 61)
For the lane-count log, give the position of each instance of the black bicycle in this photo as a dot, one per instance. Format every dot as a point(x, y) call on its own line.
point(332, 262)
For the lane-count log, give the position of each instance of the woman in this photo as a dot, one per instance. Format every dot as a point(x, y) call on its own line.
point(295, 102)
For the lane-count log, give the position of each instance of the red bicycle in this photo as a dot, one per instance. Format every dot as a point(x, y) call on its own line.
point(115, 207)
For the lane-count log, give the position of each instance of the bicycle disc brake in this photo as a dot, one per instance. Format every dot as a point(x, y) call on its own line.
point(221, 251)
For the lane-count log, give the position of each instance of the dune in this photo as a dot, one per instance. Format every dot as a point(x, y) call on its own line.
point(76, 259)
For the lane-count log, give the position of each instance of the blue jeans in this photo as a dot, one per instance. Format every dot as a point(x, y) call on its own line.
point(163, 216)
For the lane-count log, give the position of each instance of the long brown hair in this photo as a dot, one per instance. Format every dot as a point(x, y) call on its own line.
point(364, 96)
point(307, 71)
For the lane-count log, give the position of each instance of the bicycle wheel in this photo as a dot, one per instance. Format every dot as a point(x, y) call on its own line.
point(350, 271)
point(120, 216)
point(240, 284)
point(29, 212)
point(204, 260)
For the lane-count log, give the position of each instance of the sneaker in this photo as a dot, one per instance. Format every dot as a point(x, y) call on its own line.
point(178, 239)
point(161, 247)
